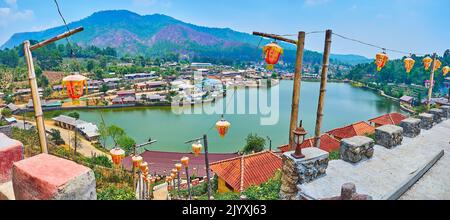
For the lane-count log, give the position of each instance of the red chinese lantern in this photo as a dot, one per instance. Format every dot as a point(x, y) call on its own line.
point(223, 126)
point(185, 161)
point(437, 65)
point(117, 155)
point(174, 171)
point(272, 53)
point(381, 60)
point(445, 70)
point(197, 148)
point(75, 85)
point(427, 62)
point(137, 160)
point(409, 64)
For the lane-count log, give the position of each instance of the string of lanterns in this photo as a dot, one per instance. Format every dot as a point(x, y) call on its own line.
point(381, 60)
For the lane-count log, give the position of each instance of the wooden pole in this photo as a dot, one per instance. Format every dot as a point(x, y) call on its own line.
point(297, 86)
point(276, 37)
point(35, 96)
point(53, 39)
point(430, 89)
point(323, 86)
point(188, 178)
point(205, 142)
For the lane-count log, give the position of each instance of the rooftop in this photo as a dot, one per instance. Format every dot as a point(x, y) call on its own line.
point(358, 129)
point(247, 170)
point(388, 119)
point(327, 143)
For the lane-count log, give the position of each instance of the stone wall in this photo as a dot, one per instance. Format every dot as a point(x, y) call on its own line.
point(356, 149)
point(426, 121)
point(411, 127)
point(300, 171)
point(389, 136)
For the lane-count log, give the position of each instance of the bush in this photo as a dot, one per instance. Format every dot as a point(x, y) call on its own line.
point(6, 112)
point(103, 161)
point(116, 193)
point(267, 191)
point(335, 155)
point(254, 144)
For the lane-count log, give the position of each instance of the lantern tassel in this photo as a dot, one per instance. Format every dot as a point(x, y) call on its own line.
point(269, 67)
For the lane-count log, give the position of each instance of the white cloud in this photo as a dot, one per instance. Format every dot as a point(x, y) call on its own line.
point(9, 15)
point(11, 2)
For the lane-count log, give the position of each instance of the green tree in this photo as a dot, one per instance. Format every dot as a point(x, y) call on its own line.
point(55, 136)
point(104, 89)
point(6, 112)
point(115, 132)
point(90, 65)
point(254, 144)
point(126, 143)
point(75, 115)
point(103, 132)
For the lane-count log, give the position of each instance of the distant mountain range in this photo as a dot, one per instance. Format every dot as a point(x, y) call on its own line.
point(158, 34)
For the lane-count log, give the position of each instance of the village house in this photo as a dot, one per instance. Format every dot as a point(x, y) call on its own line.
point(45, 104)
point(357, 129)
point(407, 100)
point(239, 173)
point(88, 130)
point(387, 119)
point(124, 98)
point(327, 143)
point(140, 76)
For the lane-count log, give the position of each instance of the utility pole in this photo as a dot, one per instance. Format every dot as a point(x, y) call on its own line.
point(297, 77)
point(270, 143)
point(323, 86)
point(205, 143)
point(430, 89)
point(33, 83)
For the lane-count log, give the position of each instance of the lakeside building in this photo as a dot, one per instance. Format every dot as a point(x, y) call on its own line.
point(407, 100)
point(162, 163)
point(327, 143)
point(45, 104)
point(140, 76)
point(361, 128)
point(196, 66)
point(150, 85)
point(387, 119)
point(239, 173)
point(124, 98)
point(87, 129)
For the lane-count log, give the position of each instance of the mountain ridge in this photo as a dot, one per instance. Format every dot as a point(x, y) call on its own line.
point(156, 34)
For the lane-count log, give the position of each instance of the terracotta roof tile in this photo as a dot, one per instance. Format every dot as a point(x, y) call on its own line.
point(247, 170)
point(327, 143)
point(360, 128)
point(388, 119)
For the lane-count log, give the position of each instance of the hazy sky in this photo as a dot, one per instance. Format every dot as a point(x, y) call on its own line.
point(420, 26)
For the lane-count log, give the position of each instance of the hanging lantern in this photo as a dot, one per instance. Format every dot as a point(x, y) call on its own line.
point(409, 64)
point(178, 166)
point(172, 176)
point(381, 60)
point(174, 171)
point(143, 166)
point(223, 126)
point(437, 65)
point(197, 148)
point(445, 70)
point(272, 53)
point(185, 161)
point(117, 155)
point(137, 160)
point(427, 62)
point(74, 85)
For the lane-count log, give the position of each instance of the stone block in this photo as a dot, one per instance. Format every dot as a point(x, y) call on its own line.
point(46, 177)
point(446, 110)
point(356, 148)
point(10, 151)
point(437, 115)
point(426, 121)
point(411, 127)
point(389, 136)
point(299, 171)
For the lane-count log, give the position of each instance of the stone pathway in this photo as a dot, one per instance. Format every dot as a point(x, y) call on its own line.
point(435, 184)
point(390, 169)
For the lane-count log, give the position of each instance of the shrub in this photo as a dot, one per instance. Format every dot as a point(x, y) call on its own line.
point(116, 193)
point(266, 191)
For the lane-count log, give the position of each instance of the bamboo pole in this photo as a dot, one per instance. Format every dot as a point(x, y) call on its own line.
point(276, 37)
point(35, 96)
point(323, 86)
point(297, 87)
point(430, 89)
point(56, 38)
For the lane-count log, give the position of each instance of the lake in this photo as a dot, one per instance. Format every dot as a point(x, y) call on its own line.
point(344, 105)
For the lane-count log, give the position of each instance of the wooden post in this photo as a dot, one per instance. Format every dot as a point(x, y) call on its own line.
point(430, 89)
point(35, 96)
point(208, 183)
point(188, 178)
point(323, 86)
point(297, 86)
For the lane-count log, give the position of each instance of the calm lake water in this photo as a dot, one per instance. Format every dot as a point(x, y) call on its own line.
point(344, 105)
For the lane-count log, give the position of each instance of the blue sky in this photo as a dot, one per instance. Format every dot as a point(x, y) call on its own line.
point(421, 26)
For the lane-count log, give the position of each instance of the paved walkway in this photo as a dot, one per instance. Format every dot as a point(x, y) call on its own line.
point(390, 169)
point(435, 184)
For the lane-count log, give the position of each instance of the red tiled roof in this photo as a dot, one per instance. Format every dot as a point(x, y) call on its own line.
point(165, 161)
point(357, 129)
point(388, 119)
point(247, 170)
point(327, 143)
